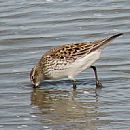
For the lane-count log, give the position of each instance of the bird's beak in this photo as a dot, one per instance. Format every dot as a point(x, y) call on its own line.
point(36, 85)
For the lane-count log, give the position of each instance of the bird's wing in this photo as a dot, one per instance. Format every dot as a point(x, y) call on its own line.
point(69, 51)
point(73, 51)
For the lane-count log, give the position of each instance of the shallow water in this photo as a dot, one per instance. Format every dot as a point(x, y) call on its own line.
point(29, 28)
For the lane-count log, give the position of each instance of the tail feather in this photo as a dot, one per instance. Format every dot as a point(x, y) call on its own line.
point(105, 41)
point(112, 37)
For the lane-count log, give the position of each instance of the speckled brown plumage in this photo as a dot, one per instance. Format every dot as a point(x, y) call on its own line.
point(60, 59)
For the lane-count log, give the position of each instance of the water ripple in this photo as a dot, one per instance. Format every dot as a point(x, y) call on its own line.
point(28, 29)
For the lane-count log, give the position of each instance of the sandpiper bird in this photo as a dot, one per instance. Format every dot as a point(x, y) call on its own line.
point(68, 61)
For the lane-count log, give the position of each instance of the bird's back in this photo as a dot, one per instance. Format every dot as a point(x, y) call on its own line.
point(73, 51)
point(59, 59)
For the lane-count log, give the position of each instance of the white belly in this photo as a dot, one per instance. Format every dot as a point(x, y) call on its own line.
point(58, 74)
point(76, 67)
point(83, 63)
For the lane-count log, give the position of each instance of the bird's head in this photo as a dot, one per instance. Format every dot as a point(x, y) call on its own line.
point(36, 76)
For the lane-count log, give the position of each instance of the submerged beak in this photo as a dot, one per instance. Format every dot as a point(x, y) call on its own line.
point(36, 85)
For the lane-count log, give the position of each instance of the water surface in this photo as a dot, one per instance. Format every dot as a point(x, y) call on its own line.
point(28, 29)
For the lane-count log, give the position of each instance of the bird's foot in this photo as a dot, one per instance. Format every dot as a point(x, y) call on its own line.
point(74, 84)
point(98, 84)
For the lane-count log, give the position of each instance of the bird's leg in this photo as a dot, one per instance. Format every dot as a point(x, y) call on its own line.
point(73, 81)
point(74, 84)
point(98, 83)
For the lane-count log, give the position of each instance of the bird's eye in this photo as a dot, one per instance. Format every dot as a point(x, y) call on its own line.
point(31, 74)
point(32, 77)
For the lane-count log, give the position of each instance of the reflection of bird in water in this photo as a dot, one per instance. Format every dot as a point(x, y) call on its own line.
point(69, 60)
point(59, 108)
